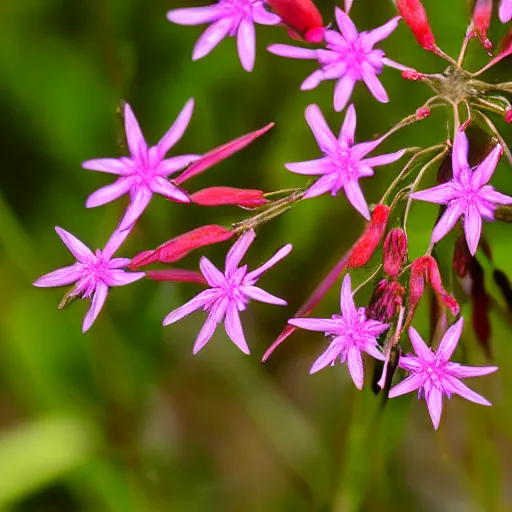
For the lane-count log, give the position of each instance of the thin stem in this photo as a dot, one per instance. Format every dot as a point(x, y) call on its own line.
point(490, 124)
point(392, 342)
point(367, 280)
point(467, 38)
point(456, 119)
point(492, 107)
point(445, 56)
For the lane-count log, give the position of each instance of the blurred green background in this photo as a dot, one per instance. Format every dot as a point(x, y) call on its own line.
point(124, 418)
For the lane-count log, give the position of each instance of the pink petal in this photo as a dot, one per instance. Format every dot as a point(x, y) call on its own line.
point(460, 154)
point(109, 165)
point(77, 248)
point(373, 83)
point(321, 186)
point(348, 129)
point(292, 52)
point(211, 37)
point(440, 194)
point(214, 277)
point(411, 383)
point(311, 167)
point(121, 278)
point(485, 170)
point(456, 386)
point(98, 299)
point(472, 227)
point(177, 130)
point(326, 325)
point(262, 16)
point(355, 366)
point(419, 345)
point(348, 5)
point(109, 193)
point(488, 193)
point(114, 242)
point(312, 81)
point(176, 163)
point(505, 11)
point(160, 185)
point(199, 301)
point(346, 25)
point(409, 363)
point(60, 277)
point(450, 340)
point(118, 262)
point(246, 43)
point(140, 200)
point(136, 142)
point(356, 198)
point(328, 357)
point(214, 318)
point(238, 250)
point(234, 328)
point(435, 405)
point(260, 295)
point(321, 131)
point(194, 15)
point(342, 91)
point(348, 308)
point(374, 36)
point(253, 276)
point(396, 65)
point(460, 371)
point(447, 221)
point(385, 159)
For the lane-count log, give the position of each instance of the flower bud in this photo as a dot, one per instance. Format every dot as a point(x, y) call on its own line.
point(395, 252)
point(508, 115)
point(415, 16)
point(481, 22)
point(303, 18)
point(370, 239)
point(413, 75)
point(179, 247)
point(386, 300)
point(422, 112)
point(176, 275)
point(215, 196)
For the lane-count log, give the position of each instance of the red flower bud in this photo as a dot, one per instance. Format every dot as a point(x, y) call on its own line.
point(508, 115)
point(481, 21)
point(415, 16)
point(413, 75)
point(386, 300)
point(422, 112)
point(302, 16)
point(370, 239)
point(179, 247)
point(176, 275)
point(395, 252)
point(215, 196)
point(221, 153)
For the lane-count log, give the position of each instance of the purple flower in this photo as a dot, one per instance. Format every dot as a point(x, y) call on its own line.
point(349, 57)
point(343, 163)
point(93, 273)
point(229, 18)
point(505, 12)
point(352, 334)
point(466, 194)
point(144, 173)
point(229, 294)
point(434, 375)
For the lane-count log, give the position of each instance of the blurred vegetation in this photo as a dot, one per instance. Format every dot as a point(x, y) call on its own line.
point(124, 418)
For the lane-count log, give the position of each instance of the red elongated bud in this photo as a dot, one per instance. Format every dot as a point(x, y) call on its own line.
point(179, 247)
point(176, 275)
point(386, 301)
point(414, 14)
point(395, 252)
point(508, 115)
point(481, 21)
point(422, 112)
point(215, 196)
point(370, 239)
point(413, 75)
point(221, 153)
point(302, 16)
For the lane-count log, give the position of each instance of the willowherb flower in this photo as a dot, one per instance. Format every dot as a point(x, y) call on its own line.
point(343, 163)
point(434, 375)
point(229, 294)
point(349, 57)
point(145, 172)
point(351, 332)
point(93, 273)
point(227, 18)
point(467, 194)
point(505, 11)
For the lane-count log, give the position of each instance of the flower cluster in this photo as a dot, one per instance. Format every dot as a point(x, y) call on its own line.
point(358, 334)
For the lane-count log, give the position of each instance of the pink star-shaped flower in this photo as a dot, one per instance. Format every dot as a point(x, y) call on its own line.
point(467, 194)
point(229, 294)
point(228, 18)
point(352, 333)
point(144, 173)
point(434, 375)
point(343, 163)
point(505, 12)
point(349, 57)
point(93, 273)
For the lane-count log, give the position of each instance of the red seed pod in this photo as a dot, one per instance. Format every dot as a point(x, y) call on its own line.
point(303, 18)
point(176, 275)
point(179, 247)
point(216, 196)
point(415, 16)
point(386, 301)
point(370, 239)
point(413, 75)
point(481, 21)
point(422, 112)
point(395, 252)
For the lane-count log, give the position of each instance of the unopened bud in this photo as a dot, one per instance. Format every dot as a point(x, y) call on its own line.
point(395, 252)
point(481, 22)
point(386, 301)
point(370, 239)
point(422, 112)
point(508, 115)
point(413, 75)
point(176, 275)
point(216, 196)
point(415, 16)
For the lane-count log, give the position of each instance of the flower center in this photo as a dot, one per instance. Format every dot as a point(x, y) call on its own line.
point(240, 8)
point(434, 371)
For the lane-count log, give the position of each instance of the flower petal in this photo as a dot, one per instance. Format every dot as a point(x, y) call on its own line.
point(483, 173)
point(373, 83)
point(321, 131)
point(60, 277)
point(411, 383)
point(346, 25)
point(450, 340)
point(355, 366)
point(326, 325)
point(447, 221)
point(77, 248)
point(505, 11)
point(114, 242)
point(194, 15)
point(440, 194)
point(121, 278)
point(460, 154)
point(419, 345)
point(311, 167)
point(356, 198)
point(385, 159)
point(328, 357)
point(140, 199)
point(177, 129)
point(321, 186)
point(238, 250)
point(342, 91)
point(435, 405)
point(348, 308)
point(202, 299)
point(348, 128)
point(214, 318)
point(136, 142)
point(262, 16)
point(109, 193)
point(211, 37)
point(252, 277)
point(214, 277)
point(460, 371)
point(175, 163)
point(292, 52)
point(98, 299)
point(472, 227)
point(160, 185)
point(109, 165)
point(260, 295)
point(488, 193)
point(456, 386)
point(374, 36)
point(234, 328)
point(246, 44)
